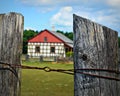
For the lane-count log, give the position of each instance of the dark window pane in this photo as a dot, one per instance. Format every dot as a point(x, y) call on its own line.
point(52, 50)
point(37, 49)
point(66, 49)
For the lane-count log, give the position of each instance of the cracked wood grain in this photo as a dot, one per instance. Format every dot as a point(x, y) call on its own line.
point(11, 32)
point(100, 46)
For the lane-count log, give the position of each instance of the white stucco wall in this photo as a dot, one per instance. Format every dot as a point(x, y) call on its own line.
point(45, 50)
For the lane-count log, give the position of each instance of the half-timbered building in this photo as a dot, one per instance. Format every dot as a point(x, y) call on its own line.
point(49, 44)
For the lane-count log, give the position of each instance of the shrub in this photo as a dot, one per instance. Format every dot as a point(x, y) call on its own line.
point(69, 54)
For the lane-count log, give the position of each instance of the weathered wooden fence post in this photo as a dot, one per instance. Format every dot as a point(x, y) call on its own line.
point(95, 46)
point(11, 32)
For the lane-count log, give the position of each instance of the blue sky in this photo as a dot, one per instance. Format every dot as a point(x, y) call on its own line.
point(43, 14)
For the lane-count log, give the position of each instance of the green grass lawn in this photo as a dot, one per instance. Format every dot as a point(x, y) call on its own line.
point(41, 83)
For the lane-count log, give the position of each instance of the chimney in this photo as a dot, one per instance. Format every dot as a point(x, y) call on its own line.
point(53, 28)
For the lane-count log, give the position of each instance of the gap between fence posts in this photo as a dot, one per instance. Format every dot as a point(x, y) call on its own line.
point(95, 46)
point(11, 35)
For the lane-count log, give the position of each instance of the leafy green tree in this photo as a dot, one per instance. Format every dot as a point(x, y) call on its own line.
point(60, 31)
point(67, 34)
point(27, 34)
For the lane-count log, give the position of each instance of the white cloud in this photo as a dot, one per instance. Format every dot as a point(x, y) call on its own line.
point(48, 5)
point(47, 2)
point(45, 9)
point(51, 3)
point(107, 18)
point(36, 2)
point(113, 3)
point(63, 17)
point(105, 12)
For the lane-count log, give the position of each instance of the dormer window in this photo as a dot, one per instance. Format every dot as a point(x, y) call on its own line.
point(45, 39)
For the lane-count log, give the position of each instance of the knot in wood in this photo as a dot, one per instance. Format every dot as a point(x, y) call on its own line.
point(84, 57)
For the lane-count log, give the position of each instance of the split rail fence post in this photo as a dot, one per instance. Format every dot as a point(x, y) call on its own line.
point(95, 46)
point(11, 33)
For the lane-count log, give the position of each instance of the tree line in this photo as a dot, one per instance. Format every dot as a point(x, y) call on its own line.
point(28, 34)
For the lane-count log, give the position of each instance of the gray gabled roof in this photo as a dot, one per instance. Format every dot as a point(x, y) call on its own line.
point(63, 37)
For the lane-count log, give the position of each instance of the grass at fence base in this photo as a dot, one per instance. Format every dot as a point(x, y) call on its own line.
point(41, 83)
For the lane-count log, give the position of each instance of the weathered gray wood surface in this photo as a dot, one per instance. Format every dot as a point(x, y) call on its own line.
point(99, 45)
point(119, 56)
point(11, 32)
